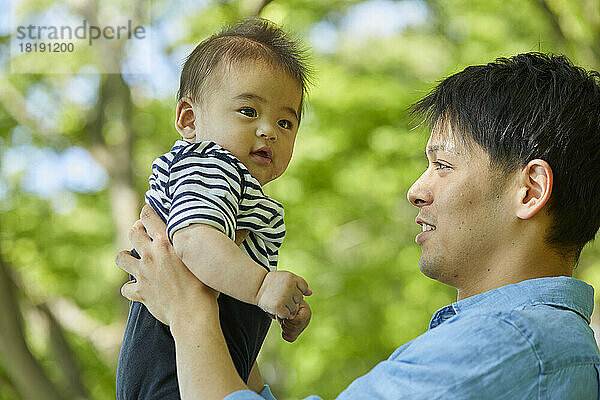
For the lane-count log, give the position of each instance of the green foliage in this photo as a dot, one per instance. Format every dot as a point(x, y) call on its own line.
point(350, 229)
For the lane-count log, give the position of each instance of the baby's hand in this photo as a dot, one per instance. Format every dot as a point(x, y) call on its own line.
point(281, 292)
point(291, 328)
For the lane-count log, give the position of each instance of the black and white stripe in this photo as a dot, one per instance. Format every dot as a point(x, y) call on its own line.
point(202, 183)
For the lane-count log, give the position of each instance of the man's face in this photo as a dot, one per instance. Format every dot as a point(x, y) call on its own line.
point(463, 212)
point(251, 109)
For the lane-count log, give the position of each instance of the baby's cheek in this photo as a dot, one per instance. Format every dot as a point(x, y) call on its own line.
point(275, 175)
point(279, 171)
point(286, 162)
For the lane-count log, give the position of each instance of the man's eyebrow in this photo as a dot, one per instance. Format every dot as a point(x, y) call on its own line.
point(434, 148)
point(252, 96)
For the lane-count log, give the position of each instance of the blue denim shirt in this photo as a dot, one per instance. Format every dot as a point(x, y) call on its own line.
point(529, 340)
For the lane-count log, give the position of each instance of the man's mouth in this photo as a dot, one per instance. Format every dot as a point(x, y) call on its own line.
point(426, 230)
point(427, 227)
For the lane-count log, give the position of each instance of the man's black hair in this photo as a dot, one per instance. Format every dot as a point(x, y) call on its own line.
point(532, 106)
point(253, 39)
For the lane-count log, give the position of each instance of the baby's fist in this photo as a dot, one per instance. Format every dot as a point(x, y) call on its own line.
point(292, 328)
point(281, 292)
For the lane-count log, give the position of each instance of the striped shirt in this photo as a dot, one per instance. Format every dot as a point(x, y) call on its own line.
point(202, 183)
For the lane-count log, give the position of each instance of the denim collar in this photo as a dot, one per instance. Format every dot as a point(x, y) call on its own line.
point(558, 291)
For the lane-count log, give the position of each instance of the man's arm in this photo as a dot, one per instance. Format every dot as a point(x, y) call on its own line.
point(165, 285)
point(255, 380)
point(471, 357)
point(208, 369)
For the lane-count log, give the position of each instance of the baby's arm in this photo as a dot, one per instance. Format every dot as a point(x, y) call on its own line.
point(219, 263)
point(207, 186)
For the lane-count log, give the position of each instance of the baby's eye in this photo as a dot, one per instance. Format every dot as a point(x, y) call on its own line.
point(248, 112)
point(284, 123)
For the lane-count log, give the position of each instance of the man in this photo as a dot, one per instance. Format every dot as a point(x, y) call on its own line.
point(507, 203)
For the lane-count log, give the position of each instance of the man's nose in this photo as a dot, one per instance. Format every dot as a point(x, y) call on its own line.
point(419, 193)
point(267, 133)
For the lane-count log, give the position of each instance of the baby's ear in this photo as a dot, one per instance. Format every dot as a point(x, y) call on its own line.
point(185, 119)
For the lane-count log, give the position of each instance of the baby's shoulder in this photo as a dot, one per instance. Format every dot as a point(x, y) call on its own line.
point(209, 160)
point(205, 149)
point(185, 152)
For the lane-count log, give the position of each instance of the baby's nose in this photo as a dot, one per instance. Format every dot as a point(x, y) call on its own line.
point(266, 133)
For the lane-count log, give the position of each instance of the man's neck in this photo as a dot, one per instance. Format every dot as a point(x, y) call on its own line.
point(517, 269)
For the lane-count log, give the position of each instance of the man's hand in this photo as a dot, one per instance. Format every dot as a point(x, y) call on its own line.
point(240, 236)
point(281, 292)
point(163, 283)
point(169, 290)
point(291, 328)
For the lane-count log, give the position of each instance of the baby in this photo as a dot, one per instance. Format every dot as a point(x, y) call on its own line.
point(239, 107)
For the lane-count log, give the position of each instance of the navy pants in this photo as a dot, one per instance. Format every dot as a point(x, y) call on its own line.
point(146, 368)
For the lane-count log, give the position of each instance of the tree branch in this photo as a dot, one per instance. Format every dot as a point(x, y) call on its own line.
point(261, 5)
point(64, 354)
point(554, 22)
point(105, 338)
point(24, 370)
point(15, 104)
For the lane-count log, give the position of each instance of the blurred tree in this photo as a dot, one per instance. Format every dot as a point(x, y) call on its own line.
point(350, 229)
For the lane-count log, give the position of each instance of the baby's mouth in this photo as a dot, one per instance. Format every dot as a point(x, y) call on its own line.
point(264, 155)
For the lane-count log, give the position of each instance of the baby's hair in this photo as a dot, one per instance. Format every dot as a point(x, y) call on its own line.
point(255, 39)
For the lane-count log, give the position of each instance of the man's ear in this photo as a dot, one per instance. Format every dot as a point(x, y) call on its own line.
point(535, 188)
point(185, 119)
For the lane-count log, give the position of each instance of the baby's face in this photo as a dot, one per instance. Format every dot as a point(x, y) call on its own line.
point(251, 109)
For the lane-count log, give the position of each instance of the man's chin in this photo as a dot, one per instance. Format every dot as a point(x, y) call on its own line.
point(430, 268)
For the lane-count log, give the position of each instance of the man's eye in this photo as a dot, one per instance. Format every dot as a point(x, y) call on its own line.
point(248, 112)
point(439, 165)
point(285, 124)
